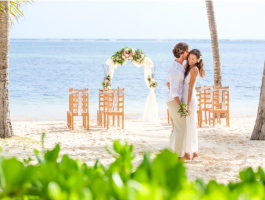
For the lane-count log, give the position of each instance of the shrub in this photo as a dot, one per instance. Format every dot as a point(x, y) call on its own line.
point(161, 178)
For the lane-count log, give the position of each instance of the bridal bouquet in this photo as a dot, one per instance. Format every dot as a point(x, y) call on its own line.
point(184, 110)
point(152, 81)
point(128, 54)
point(107, 81)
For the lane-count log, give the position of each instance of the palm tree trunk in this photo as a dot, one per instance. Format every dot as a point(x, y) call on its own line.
point(5, 122)
point(215, 44)
point(259, 128)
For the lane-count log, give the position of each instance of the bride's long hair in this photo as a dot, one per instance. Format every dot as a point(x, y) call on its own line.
point(199, 64)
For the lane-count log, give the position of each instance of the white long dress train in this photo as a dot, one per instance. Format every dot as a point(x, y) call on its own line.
point(190, 144)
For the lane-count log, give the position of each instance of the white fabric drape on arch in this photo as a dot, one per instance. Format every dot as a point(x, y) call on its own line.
point(150, 110)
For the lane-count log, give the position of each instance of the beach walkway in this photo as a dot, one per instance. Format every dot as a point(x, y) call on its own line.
point(157, 134)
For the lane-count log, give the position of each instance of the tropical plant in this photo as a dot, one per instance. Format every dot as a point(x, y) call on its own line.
point(15, 8)
point(7, 8)
point(217, 67)
point(259, 130)
point(162, 178)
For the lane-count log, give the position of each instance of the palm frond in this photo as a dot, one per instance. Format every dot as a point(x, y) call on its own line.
point(15, 11)
point(15, 8)
point(2, 8)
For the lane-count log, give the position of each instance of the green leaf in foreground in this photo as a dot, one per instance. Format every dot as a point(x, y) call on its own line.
point(161, 178)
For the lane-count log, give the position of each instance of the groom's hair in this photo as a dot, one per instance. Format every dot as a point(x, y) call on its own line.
point(179, 49)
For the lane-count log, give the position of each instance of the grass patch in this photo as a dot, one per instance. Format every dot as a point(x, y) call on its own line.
point(17, 141)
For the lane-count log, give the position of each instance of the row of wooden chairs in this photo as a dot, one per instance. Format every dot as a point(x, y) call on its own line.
point(215, 101)
point(111, 104)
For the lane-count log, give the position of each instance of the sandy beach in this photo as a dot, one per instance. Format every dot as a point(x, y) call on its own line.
point(223, 151)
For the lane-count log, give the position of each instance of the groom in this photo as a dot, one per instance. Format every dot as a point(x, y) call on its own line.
point(175, 77)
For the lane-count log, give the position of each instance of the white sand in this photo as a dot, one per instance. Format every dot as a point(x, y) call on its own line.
point(223, 151)
point(87, 145)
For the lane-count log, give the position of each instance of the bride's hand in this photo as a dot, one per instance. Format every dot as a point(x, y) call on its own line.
point(168, 85)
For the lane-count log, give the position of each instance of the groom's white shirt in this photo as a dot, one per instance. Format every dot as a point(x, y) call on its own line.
point(175, 77)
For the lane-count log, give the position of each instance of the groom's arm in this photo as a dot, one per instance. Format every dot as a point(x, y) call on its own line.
point(174, 84)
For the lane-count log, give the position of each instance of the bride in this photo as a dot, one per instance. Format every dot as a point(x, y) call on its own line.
point(193, 68)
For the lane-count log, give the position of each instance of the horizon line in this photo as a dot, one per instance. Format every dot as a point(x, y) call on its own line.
point(115, 39)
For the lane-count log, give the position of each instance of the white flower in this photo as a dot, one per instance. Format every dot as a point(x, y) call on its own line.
point(123, 57)
point(133, 51)
point(126, 49)
point(130, 58)
point(199, 59)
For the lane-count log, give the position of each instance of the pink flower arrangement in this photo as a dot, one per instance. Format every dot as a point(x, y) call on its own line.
point(128, 54)
point(152, 81)
point(107, 81)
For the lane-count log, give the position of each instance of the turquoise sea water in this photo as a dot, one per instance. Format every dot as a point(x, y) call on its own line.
point(42, 71)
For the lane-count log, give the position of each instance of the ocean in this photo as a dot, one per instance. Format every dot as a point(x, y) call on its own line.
point(41, 72)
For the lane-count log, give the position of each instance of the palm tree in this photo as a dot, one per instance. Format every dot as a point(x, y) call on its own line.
point(215, 44)
point(6, 8)
point(259, 128)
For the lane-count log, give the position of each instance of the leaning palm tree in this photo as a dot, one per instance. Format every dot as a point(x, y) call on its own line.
point(7, 8)
point(215, 44)
point(259, 128)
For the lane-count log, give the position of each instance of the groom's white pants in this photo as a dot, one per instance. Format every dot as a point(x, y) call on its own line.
point(178, 128)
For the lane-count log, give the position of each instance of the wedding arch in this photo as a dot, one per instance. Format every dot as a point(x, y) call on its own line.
point(138, 58)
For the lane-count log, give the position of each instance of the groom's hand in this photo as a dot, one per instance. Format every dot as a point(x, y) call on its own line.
point(176, 99)
point(168, 85)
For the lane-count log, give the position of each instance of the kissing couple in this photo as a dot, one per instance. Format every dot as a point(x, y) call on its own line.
point(181, 82)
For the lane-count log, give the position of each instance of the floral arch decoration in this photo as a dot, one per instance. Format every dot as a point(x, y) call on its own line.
point(138, 58)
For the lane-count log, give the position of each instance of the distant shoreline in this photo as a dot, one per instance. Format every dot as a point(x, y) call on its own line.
point(122, 40)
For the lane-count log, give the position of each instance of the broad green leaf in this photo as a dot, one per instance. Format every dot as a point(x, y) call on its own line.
point(51, 156)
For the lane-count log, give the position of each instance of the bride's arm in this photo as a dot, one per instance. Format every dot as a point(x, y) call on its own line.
point(193, 75)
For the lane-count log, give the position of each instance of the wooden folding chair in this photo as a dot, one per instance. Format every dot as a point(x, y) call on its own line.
point(199, 107)
point(78, 106)
point(114, 106)
point(100, 111)
point(206, 103)
point(104, 118)
point(220, 103)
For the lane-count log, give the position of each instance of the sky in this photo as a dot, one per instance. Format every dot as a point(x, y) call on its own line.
point(139, 20)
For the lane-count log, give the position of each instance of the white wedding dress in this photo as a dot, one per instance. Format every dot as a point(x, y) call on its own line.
point(190, 144)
